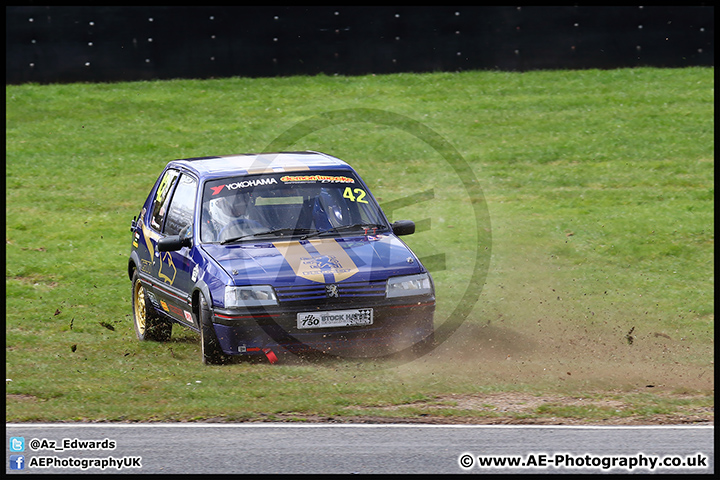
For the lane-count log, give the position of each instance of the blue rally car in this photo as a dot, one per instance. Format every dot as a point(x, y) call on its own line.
point(275, 253)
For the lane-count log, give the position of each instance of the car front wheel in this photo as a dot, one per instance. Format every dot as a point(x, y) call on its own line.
point(148, 325)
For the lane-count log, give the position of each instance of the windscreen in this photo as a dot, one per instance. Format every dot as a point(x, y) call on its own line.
point(287, 204)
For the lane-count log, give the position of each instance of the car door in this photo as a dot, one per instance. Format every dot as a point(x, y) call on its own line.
point(174, 214)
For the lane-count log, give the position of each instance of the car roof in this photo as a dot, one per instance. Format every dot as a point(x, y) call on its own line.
point(256, 163)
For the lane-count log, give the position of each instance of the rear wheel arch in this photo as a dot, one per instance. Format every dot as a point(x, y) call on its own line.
point(132, 266)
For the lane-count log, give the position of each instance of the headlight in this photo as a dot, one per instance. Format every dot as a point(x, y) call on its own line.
point(250, 296)
point(409, 285)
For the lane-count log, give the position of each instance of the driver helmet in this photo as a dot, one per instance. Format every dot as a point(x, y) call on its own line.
point(226, 209)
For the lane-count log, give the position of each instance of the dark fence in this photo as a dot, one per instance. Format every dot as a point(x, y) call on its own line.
point(105, 44)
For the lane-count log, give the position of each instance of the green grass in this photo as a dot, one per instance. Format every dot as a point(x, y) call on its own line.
point(600, 193)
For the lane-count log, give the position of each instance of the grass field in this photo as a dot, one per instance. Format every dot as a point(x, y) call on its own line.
point(595, 244)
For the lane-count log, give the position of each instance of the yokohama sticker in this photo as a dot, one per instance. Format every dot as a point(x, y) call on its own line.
point(244, 184)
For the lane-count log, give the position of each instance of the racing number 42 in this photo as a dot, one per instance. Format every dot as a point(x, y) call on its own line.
point(358, 196)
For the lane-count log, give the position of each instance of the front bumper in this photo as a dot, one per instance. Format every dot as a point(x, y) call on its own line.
point(395, 328)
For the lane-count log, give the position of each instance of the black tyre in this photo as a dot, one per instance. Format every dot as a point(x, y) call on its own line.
point(212, 354)
point(148, 325)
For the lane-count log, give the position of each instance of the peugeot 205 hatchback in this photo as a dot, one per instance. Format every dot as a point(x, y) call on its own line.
point(270, 253)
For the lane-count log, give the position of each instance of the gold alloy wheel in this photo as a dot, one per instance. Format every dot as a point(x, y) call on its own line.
point(140, 308)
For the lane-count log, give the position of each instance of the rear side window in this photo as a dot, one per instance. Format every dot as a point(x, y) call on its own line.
point(162, 199)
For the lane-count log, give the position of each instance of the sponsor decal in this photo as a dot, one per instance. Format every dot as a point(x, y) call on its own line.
point(244, 184)
point(324, 262)
point(321, 261)
point(164, 305)
point(316, 178)
point(188, 317)
point(345, 268)
point(165, 185)
point(145, 266)
point(167, 273)
point(335, 318)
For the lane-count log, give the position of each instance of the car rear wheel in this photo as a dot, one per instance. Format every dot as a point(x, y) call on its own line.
point(148, 325)
point(212, 354)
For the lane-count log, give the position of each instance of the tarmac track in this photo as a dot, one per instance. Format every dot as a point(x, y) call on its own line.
point(248, 448)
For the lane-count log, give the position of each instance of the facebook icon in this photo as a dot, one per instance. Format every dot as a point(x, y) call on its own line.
point(17, 462)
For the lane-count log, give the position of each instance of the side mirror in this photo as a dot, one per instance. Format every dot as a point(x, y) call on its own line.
point(173, 243)
point(403, 227)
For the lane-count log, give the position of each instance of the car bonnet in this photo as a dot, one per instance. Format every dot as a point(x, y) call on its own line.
point(319, 260)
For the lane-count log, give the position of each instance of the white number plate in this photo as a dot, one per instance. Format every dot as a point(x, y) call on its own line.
point(335, 318)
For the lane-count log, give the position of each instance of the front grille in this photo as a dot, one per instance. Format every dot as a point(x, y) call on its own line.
point(319, 292)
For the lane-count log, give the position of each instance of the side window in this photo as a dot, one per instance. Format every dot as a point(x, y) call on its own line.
point(182, 206)
point(162, 199)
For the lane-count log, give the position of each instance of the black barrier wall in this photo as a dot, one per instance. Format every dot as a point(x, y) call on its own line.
point(92, 44)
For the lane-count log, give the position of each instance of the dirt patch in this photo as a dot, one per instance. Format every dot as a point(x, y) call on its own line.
point(438, 420)
point(505, 409)
point(550, 374)
point(21, 397)
point(517, 402)
point(557, 357)
point(522, 408)
point(525, 375)
point(699, 420)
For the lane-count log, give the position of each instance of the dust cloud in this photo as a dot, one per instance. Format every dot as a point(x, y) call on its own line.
point(553, 354)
